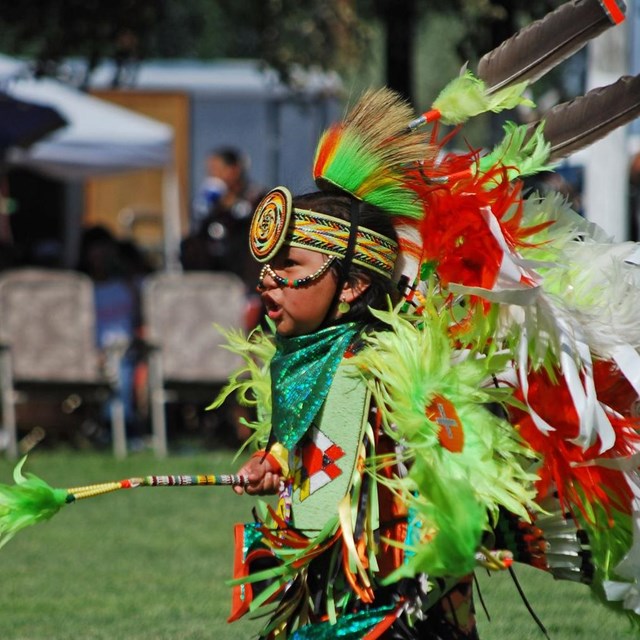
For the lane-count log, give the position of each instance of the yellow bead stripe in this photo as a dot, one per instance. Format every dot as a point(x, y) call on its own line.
point(319, 232)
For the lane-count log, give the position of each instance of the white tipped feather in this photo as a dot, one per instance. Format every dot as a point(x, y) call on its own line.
point(602, 291)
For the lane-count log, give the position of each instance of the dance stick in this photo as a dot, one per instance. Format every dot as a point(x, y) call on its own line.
point(31, 499)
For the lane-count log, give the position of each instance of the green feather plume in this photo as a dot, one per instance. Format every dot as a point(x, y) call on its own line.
point(409, 366)
point(519, 152)
point(467, 96)
point(368, 154)
point(446, 523)
point(251, 383)
point(352, 169)
point(29, 501)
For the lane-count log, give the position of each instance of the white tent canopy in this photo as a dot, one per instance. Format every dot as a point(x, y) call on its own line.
point(10, 67)
point(101, 138)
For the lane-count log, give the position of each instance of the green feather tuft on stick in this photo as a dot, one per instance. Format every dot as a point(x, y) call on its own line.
point(467, 96)
point(523, 152)
point(29, 501)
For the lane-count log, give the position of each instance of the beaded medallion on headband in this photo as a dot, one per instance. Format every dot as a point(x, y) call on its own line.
point(269, 224)
point(276, 222)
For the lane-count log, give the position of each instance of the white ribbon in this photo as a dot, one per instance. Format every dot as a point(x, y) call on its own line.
point(512, 266)
point(626, 592)
point(523, 367)
point(628, 361)
point(511, 287)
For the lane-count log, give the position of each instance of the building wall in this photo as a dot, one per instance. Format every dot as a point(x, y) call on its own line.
point(130, 204)
point(278, 133)
point(278, 130)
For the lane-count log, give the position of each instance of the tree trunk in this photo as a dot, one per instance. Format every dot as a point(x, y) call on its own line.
point(399, 18)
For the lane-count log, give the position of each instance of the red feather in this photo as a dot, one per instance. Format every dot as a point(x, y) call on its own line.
point(613, 388)
point(454, 231)
point(326, 149)
point(565, 465)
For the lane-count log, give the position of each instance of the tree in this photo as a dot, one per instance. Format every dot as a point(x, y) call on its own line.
point(51, 30)
point(486, 23)
point(399, 20)
point(285, 34)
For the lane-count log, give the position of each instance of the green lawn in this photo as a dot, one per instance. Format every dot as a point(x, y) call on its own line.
point(151, 564)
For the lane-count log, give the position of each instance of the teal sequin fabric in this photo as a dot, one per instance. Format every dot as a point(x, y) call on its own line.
point(348, 627)
point(302, 370)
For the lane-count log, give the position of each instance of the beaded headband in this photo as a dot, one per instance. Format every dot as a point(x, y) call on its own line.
point(276, 223)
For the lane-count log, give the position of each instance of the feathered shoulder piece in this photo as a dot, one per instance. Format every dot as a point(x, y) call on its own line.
point(367, 154)
point(251, 383)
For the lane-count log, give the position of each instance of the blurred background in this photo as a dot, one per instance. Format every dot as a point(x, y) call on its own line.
point(135, 138)
point(137, 135)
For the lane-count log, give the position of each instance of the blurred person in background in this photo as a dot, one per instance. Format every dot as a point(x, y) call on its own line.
point(220, 223)
point(117, 269)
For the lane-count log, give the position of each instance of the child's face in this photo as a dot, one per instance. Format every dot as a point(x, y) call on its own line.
point(296, 312)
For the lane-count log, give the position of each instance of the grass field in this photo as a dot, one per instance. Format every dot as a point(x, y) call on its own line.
point(150, 564)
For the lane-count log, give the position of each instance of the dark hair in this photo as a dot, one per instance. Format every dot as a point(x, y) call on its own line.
point(231, 156)
point(234, 159)
point(380, 288)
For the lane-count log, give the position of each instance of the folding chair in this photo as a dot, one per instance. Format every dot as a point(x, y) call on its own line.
point(48, 348)
point(179, 313)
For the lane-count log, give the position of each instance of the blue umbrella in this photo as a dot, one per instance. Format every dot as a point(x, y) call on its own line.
point(23, 123)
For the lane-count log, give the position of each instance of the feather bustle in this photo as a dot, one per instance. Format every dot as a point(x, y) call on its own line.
point(370, 153)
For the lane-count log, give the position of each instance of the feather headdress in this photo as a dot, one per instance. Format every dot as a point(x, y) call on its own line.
point(367, 154)
point(497, 272)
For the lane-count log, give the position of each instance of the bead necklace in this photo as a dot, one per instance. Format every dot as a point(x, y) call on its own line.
point(293, 283)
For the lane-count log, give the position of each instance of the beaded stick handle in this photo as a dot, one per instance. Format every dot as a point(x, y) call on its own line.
point(31, 500)
point(88, 491)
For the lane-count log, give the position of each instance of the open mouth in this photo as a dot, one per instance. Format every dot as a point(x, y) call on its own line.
point(274, 310)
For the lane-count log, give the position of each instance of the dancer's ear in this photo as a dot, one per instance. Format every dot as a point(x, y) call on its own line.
point(351, 291)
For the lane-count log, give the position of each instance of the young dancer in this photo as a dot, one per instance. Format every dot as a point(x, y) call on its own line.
point(483, 418)
point(320, 301)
